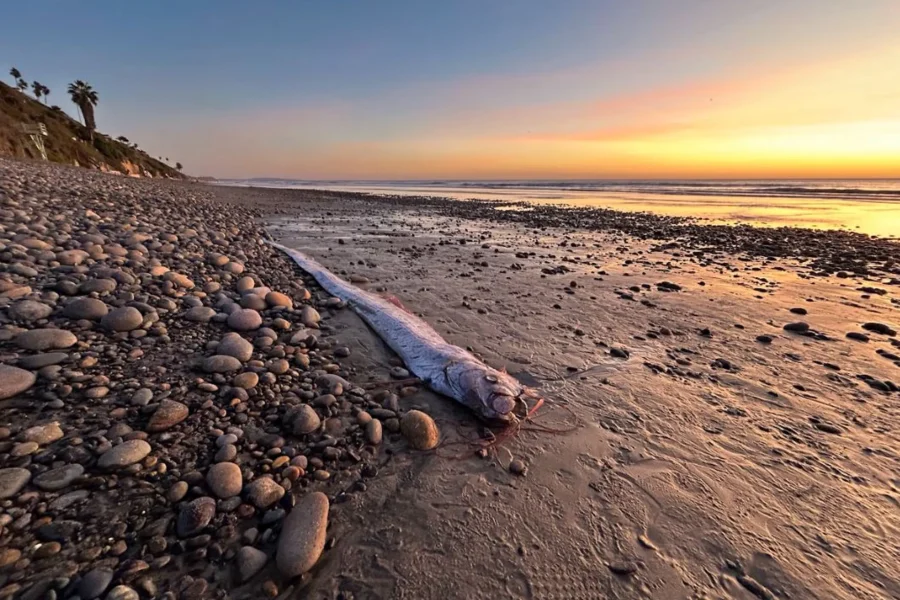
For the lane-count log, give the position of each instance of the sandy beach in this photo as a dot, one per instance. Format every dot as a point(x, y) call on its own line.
point(721, 416)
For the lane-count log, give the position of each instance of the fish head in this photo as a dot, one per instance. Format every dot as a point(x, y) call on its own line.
point(494, 395)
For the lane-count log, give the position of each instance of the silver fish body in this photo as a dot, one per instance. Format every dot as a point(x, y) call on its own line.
point(445, 368)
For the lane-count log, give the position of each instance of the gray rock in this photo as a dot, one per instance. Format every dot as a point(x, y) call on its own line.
point(264, 492)
point(420, 430)
point(86, 308)
point(126, 453)
point(43, 434)
point(310, 316)
point(302, 537)
point(29, 310)
point(304, 420)
point(14, 381)
point(45, 339)
point(100, 286)
point(94, 583)
point(125, 318)
point(236, 346)
point(38, 361)
point(12, 480)
point(195, 516)
point(168, 414)
point(122, 592)
point(200, 314)
point(244, 319)
point(58, 478)
point(142, 397)
point(225, 480)
point(221, 363)
point(250, 561)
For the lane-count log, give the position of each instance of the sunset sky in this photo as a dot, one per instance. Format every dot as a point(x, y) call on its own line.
point(482, 89)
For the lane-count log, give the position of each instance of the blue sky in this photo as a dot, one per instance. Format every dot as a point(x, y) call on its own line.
point(405, 89)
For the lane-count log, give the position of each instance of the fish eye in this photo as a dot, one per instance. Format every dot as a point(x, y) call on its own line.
point(491, 378)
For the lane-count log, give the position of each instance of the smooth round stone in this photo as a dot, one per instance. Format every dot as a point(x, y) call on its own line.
point(142, 397)
point(250, 300)
point(303, 535)
point(100, 286)
point(14, 381)
point(195, 516)
point(236, 346)
point(29, 310)
point(125, 318)
point(245, 381)
point(373, 432)
point(178, 491)
point(264, 492)
point(245, 284)
point(39, 361)
point(122, 592)
point(71, 258)
point(310, 316)
point(226, 453)
point(59, 478)
point(126, 453)
point(221, 363)
point(24, 449)
point(12, 480)
point(279, 299)
point(420, 430)
point(168, 414)
point(225, 480)
point(45, 339)
point(94, 583)
point(43, 434)
point(244, 319)
point(279, 366)
point(179, 279)
point(305, 420)
point(250, 561)
point(200, 314)
point(86, 308)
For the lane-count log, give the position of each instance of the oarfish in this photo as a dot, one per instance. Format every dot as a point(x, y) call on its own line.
point(447, 369)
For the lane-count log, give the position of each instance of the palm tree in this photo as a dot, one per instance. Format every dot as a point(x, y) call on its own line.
point(122, 139)
point(178, 166)
point(22, 85)
point(45, 91)
point(16, 74)
point(85, 98)
point(38, 89)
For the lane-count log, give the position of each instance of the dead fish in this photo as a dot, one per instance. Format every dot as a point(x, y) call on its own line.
point(447, 369)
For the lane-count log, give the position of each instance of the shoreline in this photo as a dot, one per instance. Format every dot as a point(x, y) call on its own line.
point(715, 449)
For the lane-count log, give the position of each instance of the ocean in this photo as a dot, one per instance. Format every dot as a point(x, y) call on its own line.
point(870, 206)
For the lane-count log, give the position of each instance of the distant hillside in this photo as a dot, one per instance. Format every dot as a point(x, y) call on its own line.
point(68, 141)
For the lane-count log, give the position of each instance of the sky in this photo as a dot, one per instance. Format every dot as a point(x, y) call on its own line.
point(487, 89)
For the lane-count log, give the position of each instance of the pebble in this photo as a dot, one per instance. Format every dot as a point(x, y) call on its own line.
point(125, 318)
point(234, 345)
point(279, 299)
point(225, 480)
point(517, 467)
point(122, 592)
point(12, 480)
point(221, 363)
point(310, 316)
point(91, 309)
point(250, 561)
point(178, 491)
point(244, 319)
point(29, 310)
point(799, 327)
point(58, 478)
point(43, 434)
point(264, 492)
point(45, 339)
point(200, 314)
point(304, 420)
point(94, 583)
point(14, 381)
point(123, 455)
point(303, 534)
point(195, 516)
point(373, 432)
point(246, 381)
point(167, 415)
point(420, 430)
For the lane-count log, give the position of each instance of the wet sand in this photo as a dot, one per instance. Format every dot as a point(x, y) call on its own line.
point(708, 462)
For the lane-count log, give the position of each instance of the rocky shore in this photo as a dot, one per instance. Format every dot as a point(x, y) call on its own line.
point(174, 413)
